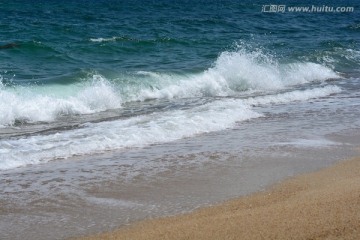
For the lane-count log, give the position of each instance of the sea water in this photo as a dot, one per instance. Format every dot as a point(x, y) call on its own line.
point(128, 93)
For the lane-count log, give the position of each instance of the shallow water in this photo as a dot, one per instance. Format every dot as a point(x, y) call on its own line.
point(83, 195)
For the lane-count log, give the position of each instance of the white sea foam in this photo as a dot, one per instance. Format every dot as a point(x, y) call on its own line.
point(25, 104)
point(340, 56)
point(311, 143)
point(110, 39)
point(293, 96)
point(142, 130)
point(134, 132)
point(233, 72)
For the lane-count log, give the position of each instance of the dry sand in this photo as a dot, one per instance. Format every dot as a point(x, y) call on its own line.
point(320, 205)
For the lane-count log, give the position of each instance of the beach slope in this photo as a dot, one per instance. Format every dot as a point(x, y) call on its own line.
point(320, 205)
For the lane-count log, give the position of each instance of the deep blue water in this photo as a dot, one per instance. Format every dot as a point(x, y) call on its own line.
point(54, 37)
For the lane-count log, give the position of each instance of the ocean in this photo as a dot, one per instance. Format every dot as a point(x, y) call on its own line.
point(103, 101)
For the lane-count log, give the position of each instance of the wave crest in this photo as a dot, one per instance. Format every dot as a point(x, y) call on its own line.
point(236, 72)
point(23, 105)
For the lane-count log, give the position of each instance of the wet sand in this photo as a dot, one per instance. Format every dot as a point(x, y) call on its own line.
point(319, 205)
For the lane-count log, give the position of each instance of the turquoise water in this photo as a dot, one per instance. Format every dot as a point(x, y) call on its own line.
point(150, 69)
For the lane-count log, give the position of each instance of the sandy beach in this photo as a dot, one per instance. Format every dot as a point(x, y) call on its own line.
point(320, 205)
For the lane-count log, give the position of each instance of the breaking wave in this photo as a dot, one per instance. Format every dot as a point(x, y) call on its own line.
point(231, 74)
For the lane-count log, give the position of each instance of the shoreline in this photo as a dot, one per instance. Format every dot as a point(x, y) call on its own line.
point(318, 205)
